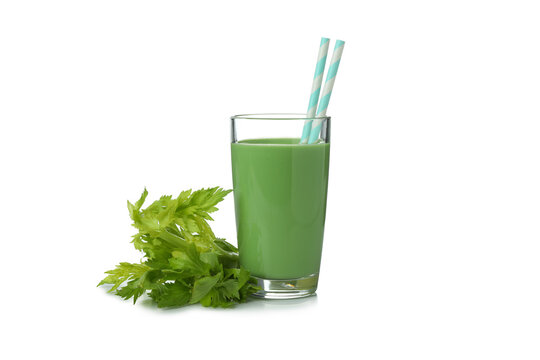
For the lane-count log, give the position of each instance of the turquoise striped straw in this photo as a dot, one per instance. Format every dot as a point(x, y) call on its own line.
point(327, 91)
point(315, 88)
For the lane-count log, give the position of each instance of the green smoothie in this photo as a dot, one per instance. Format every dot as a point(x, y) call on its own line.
point(280, 201)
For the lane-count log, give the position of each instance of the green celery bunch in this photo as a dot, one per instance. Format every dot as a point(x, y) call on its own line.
point(184, 263)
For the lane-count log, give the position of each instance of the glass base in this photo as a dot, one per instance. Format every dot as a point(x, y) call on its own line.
point(287, 288)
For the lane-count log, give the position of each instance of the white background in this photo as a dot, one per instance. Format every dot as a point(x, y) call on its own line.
point(432, 239)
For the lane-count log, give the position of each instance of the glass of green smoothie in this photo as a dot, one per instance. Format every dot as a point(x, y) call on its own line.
point(280, 188)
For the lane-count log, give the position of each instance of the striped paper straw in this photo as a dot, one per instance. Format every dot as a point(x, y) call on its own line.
point(327, 91)
point(315, 88)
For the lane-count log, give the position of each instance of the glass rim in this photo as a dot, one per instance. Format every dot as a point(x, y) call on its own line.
point(277, 116)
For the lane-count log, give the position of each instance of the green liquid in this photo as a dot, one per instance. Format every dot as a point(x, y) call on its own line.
point(280, 201)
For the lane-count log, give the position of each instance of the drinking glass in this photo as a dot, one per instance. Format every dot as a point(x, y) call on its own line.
point(280, 189)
